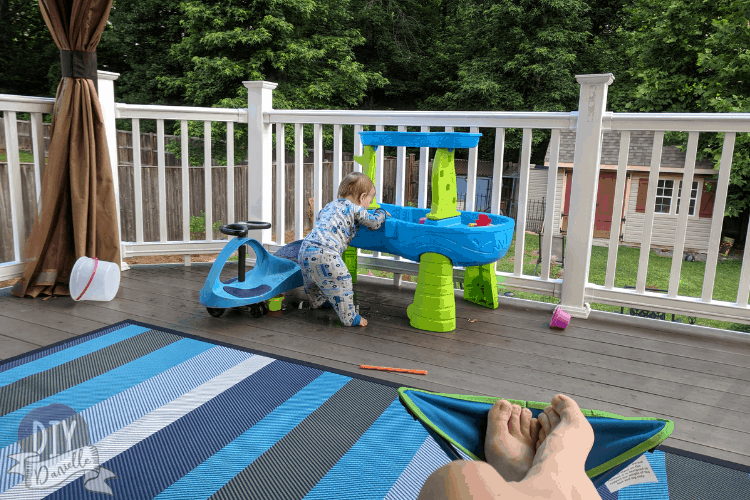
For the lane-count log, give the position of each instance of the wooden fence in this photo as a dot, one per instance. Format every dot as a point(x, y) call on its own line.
point(150, 189)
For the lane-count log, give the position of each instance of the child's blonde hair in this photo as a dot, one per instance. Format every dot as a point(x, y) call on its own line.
point(355, 184)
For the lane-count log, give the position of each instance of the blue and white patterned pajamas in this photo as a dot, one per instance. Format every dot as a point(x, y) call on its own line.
point(324, 273)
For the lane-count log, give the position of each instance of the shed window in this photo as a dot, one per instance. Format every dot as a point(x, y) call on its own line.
point(664, 192)
point(693, 197)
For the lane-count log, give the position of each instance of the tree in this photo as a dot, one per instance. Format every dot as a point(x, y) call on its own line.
point(691, 56)
point(29, 59)
point(510, 55)
point(138, 36)
point(306, 46)
point(303, 45)
point(399, 37)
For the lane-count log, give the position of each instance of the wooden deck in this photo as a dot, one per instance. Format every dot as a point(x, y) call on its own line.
point(697, 377)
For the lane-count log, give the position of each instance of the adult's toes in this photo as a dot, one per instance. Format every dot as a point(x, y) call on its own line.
point(526, 422)
point(552, 415)
point(545, 424)
point(541, 438)
point(567, 408)
point(498, 418)
point(534, 427)
point(514, 424)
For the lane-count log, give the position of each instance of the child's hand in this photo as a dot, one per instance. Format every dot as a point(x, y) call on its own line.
point(386, 213)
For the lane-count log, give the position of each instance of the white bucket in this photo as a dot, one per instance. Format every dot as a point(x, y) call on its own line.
point(102, 279)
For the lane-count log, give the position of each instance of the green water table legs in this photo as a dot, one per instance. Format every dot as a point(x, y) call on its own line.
point(350, 259)
point(480, 285)
point(434, 307)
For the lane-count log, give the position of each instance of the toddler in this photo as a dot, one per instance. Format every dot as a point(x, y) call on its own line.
point(327, 280)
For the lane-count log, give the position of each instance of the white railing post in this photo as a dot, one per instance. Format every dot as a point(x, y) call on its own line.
point(259, 151)
point(13, 159)
point(106, 88)
point(586, 159)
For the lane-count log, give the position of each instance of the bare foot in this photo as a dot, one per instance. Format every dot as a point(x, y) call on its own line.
point(510, 441)
point(563, 444)
point(362, 322)
point(564, 427)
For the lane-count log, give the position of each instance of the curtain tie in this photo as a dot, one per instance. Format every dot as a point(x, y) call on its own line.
point(78, 64)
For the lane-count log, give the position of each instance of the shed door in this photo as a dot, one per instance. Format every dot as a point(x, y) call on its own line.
point(566, 202)
point(605, 200)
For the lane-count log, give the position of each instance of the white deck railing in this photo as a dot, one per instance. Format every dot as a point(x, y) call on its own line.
point(574, 290)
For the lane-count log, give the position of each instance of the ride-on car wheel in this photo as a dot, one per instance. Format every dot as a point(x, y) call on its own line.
point(215, 311)
point(256, 311)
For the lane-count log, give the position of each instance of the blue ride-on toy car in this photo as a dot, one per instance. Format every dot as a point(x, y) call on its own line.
point(271, 275)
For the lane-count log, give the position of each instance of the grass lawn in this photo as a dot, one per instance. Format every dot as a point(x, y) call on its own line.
point(26, 157)
point(659, 268)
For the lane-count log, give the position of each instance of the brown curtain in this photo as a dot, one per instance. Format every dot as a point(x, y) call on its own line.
point(78, 198)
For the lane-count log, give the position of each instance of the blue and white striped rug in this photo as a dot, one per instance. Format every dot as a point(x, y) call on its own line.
point(134, 411)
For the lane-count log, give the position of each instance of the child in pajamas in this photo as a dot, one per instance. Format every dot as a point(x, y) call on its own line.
point(327, 280)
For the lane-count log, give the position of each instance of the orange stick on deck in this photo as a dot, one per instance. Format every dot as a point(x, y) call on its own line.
point(389, 369)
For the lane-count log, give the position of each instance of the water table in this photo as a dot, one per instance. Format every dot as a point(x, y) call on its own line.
point(445, 238)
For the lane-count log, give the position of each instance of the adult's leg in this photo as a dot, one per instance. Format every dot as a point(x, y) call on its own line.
point(557, 471)
point(462, 480)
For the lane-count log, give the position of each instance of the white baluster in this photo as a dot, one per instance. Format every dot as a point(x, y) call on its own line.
point(549, 215)
point(230, 173)
point(717, 220)
point(207, 178)
point(337, 159)
point(318, 168)
point(400, 171)
point(648, 221)
point(358, 148)
point(14, 184)
point(424, 163)
point(185, 161)
point(137, 182)
point(471, 176)
point(280, 184)
point(497, 170)
point(614, 236)
point(299, 183)
point(682, 219)
point(523, 196)
point(162, 174)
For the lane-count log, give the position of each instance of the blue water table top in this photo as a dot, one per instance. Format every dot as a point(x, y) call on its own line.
point(403, 235)
point(446, 231)
point(446, 140)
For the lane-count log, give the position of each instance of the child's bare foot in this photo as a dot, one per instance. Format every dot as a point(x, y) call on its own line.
point(510, 441)
point(362, 322)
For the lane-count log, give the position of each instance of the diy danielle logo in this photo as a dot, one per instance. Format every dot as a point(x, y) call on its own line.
point(55, 450)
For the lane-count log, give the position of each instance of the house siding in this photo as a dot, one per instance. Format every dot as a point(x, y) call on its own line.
point(538, 183)
point(538, 190)
point(639, 151)
point(665, 226)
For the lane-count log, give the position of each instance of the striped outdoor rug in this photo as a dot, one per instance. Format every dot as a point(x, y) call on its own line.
point(134, 411)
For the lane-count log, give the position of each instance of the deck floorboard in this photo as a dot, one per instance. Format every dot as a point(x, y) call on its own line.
point(696, 376)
